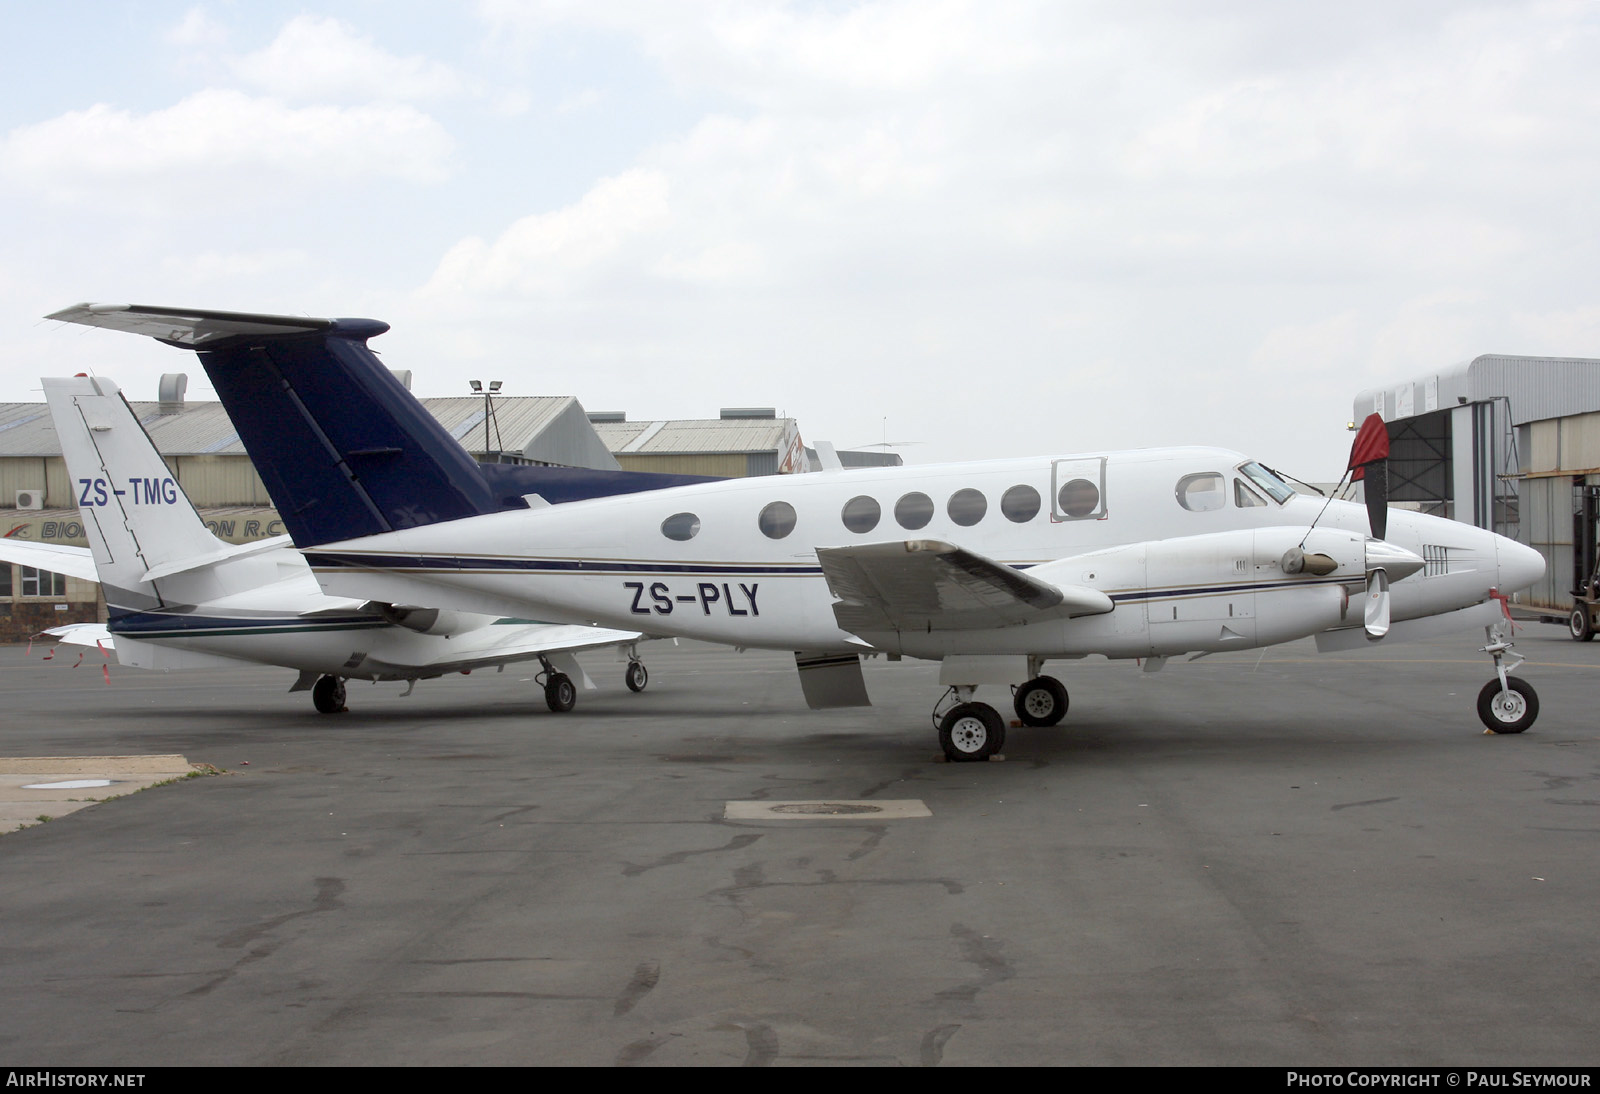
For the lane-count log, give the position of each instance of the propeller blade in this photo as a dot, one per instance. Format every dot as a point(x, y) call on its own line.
point(1377, 494)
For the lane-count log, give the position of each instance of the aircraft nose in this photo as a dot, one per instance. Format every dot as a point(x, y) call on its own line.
point(1519, 565)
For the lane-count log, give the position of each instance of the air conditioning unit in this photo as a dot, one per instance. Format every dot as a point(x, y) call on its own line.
point(30, 499)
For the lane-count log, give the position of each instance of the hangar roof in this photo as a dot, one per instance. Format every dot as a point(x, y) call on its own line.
point(1535, 388)
point(547, 428)
point(698, 435)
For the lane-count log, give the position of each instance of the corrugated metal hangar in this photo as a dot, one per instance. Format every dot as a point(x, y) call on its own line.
point(1506, 443)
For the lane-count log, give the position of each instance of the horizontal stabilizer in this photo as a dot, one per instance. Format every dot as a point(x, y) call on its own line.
point(225, 552)
point(189, 327)
point(58, 558)
point(926, 584)
point(83, 634)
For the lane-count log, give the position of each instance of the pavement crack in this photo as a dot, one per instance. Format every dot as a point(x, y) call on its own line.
point(677, 857)
point(933, 1044)
point(644, 979)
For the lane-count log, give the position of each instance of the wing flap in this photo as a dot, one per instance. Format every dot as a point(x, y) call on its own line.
point(928, 584)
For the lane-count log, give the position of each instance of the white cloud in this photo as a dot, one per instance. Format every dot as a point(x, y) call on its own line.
point(198, 29)
point(541, 253)
point(212, 135)
point(319, 58)
point(994, 216)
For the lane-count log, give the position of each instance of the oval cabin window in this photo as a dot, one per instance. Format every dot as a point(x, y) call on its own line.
point(681, 526)
point(776, 520)
point(913, 511)
point(861, 514)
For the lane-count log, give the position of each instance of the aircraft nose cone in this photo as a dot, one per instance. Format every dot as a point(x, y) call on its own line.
point(1519, 565)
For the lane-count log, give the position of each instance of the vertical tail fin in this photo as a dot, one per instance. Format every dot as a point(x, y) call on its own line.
point(343, 448)
point(135, 515)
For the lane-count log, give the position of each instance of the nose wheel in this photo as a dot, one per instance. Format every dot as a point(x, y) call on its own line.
point(1508, 709)
point(1507, 704)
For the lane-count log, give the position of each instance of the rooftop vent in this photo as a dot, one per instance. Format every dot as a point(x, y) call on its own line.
point(730, 413)
point(173, 385)
point(608, 415)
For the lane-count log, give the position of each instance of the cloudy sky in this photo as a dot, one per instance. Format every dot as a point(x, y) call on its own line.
point(993, 228)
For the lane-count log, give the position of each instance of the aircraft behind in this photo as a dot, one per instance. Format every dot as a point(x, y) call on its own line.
point(178, 597)
point(992, 568)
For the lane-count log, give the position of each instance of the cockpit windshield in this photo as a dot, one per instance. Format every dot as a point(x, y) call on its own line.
point(1271, 483)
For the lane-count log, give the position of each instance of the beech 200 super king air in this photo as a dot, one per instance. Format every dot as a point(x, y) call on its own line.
point(991, 568)
point(178, 597)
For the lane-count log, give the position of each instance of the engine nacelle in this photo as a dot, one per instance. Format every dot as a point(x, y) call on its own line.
point(434, 621)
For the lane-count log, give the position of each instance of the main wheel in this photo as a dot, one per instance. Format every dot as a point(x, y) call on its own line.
point(559, 693)
point(327, 695)
point(636, 676)
point(1579, 624)
point(971, 731)
point(1041, 702)
point(1509, 711)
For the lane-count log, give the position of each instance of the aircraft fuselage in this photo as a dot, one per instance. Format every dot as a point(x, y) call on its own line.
point(1186, 543)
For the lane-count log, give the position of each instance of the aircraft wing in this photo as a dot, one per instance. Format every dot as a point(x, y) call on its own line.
point(500, 644)
point(58, 558)
point(927, 584)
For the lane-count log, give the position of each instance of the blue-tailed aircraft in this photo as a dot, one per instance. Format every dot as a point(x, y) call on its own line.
point(991, 568)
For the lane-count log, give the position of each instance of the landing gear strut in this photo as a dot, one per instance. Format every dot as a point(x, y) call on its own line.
point(327, 695)
point(1507, 704)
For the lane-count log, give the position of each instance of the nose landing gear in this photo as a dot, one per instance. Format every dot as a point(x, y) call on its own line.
point(1507, 704)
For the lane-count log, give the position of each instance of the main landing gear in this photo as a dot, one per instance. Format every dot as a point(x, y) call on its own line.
point(1042, 701)
point(327, 695)
point(561, 694)
point(1507, 704)
point(971, 731)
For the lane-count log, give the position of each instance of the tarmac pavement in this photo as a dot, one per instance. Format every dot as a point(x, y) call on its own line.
point(1270, 857)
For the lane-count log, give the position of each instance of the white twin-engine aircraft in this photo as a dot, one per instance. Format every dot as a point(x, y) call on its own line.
point(991, 568)
point(179, 598)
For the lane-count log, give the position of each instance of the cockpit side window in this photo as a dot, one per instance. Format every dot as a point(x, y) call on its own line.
point(1275, 487)
point(1244, 497)
point(1202, 492)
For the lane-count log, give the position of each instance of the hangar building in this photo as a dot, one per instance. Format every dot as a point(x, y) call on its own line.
point(1507, 443)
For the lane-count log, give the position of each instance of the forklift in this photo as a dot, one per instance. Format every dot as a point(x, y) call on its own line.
point(1585, 619)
